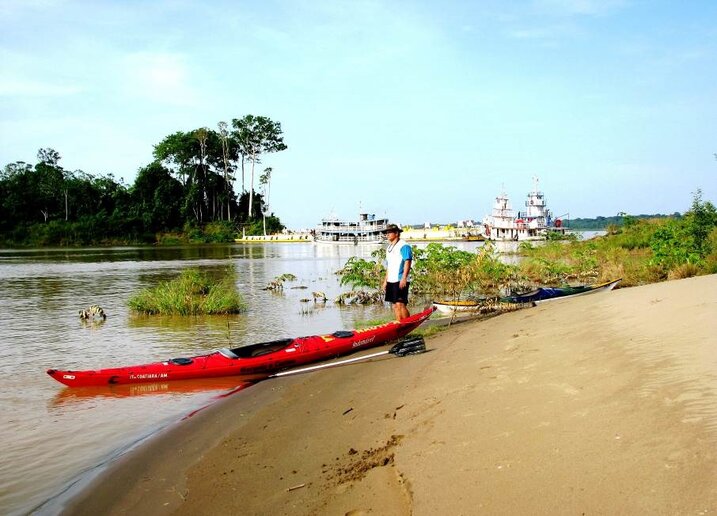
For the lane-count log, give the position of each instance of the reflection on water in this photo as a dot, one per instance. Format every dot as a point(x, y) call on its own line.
point(52, 434)
point(90, 395)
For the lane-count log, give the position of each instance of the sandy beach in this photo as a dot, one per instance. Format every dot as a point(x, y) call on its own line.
point(601, 404)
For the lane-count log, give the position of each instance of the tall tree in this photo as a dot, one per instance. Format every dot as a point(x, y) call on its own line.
point(202, 134)
point(257, 135)
point(178, 152)
point(51, 182)
point(224, 137)
point(265, 181)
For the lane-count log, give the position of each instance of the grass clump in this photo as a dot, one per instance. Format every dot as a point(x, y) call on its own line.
point(192, 293)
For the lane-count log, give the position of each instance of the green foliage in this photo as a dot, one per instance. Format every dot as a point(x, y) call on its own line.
point(672, 245)
point(559, 235)
point(490, 274)
point(442, 270)
point(254, 136)
point(711, 256)
point(606, 223)
point(437, 271)
point(700, 222)
point(156, 198)
point(641, 250)
point(189, 184)
point(686, 241)
point(220, 231)
point(361, 273)
point(192, 293)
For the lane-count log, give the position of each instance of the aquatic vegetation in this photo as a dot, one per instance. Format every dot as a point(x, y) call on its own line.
point(192, 293)
point(278, 282)
point(359, 297)
point(362, 273)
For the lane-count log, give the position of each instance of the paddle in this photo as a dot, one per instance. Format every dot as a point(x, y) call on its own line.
point(406, 346)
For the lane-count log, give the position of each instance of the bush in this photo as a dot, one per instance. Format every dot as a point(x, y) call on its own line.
point(361, 273)
point(219, 232)
point(686, 270)
point(193, 293)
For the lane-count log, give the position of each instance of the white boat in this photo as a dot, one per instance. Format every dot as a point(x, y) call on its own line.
point(539, 295)
point(503, 224)
point(450, 307)
point(367, 230)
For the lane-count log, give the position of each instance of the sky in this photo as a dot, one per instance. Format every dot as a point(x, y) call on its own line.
point(420, 111)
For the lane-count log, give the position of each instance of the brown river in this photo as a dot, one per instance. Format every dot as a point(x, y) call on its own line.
point(56, 438)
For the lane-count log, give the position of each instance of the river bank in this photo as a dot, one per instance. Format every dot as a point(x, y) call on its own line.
point(599, 404)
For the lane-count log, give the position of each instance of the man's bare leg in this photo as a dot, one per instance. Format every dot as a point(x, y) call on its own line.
point(400, 311)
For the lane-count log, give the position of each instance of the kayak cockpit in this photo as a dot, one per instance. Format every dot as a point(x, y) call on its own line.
point(255, 350)
point(264, 348)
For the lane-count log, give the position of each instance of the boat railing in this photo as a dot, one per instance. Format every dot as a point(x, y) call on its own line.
point(348, 238)
point(352, 226)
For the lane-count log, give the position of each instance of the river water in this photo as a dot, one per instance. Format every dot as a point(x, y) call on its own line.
point(55, 437)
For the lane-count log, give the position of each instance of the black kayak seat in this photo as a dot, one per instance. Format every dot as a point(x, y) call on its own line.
point(180, 361)
point(343, 334)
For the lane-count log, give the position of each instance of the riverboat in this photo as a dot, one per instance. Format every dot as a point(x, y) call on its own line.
point(503, 224)
point(367, 230)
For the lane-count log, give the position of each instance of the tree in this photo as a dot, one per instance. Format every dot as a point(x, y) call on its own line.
point(156, 198)
point(51, 180)
point(48, 156)
point(265, 181)
point(700, 221)
point(257, 135)
point(225, 139)
point(16, 194)
point(178, 152)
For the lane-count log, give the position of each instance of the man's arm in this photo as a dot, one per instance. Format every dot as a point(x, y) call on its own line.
point(406, 270)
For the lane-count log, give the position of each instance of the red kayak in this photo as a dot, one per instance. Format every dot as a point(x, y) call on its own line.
point(254, 360)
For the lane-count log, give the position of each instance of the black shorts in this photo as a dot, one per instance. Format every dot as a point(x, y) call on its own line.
point(396, 294)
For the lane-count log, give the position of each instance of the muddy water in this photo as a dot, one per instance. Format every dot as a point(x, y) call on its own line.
point(53, 435)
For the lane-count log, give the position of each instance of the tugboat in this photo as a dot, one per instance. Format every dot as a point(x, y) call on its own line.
point(367, 230)
point(533, 224)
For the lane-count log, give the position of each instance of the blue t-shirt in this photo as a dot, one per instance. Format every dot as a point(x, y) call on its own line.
point(396, 256)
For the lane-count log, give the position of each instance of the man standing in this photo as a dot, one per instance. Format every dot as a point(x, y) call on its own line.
point(398, 265)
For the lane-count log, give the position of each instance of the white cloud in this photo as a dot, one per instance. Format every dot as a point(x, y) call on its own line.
point(546, 33)
point(18, 7)
point(160, 77)
point(14, 86)
point(579, 7)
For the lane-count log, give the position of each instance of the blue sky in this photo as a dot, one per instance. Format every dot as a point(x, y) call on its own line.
point(421, 111)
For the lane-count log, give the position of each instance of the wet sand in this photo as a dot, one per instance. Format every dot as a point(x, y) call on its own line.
point(602, 404)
